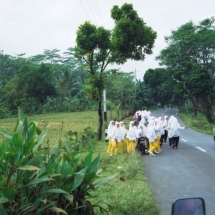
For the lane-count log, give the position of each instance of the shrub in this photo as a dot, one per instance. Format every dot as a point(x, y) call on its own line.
point(40, 180)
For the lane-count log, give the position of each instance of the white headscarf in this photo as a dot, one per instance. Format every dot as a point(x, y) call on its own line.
point(174, 124)
point(123, 130)
point(151, 132)
point(139, 131)
point(131, 135)
point(170, 121)
point(116, 133)
point(158, 127)
point(110, 128)
point(165, 122)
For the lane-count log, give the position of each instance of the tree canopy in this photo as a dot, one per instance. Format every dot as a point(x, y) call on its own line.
point(130, 38)
point(190, 55)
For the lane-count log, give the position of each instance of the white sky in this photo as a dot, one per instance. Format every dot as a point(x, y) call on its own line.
point(30, 26)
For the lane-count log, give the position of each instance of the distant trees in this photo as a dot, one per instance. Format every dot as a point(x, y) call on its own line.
point(190, 56)
point(39, 86)
point(30, 85)
point(161, 86)
point(131, 38)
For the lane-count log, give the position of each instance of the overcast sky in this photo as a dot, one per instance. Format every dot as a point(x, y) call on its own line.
point(30, 26)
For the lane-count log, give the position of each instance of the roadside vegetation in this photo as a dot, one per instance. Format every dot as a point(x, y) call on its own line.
point(70, 137)
point(198, 122)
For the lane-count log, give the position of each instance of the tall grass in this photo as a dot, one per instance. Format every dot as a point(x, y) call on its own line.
point(129, 192)
point(198, 123)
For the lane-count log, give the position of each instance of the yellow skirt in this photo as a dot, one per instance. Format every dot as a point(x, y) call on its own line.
point(131, 146)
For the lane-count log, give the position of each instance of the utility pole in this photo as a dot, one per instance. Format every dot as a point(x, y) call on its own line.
point(105, 111)
point(135, 73)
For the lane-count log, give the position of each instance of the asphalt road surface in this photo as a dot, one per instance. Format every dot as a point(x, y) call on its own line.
point(188, 171)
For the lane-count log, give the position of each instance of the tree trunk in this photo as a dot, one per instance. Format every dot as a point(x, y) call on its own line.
point(209, 111)
point(100, 123)
point(195, 105)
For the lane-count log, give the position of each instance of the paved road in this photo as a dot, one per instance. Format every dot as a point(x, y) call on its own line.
point(188, 171)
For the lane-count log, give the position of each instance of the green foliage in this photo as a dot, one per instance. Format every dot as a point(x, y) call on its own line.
point(198, 123)
point(4, 112)
point(39, 180)
point(190, 57)
point(80, 141)
point(131, 38)
point(30, 88)
point(120, 88)
point(161, 87)
point(143, 98)
point(129, 193)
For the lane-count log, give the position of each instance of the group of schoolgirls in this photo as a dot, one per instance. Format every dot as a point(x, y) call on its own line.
point(154, 130)
point(120, 137)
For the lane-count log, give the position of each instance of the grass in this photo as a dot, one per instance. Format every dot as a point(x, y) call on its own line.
point(198, 123)
point(129, 192)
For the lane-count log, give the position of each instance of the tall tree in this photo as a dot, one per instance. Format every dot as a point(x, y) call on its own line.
point(131, 38)
point(190, 52)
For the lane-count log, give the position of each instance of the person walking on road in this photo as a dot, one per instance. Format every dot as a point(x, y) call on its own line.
point(175, 133)
point(168, 128)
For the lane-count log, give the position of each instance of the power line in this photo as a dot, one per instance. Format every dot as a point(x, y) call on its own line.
point(91, 11)
point(84, 10)
point(100, 12)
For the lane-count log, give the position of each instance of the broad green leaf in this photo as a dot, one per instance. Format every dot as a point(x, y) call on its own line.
point(25, 126)
point(8, 134)
point(31, 131)
point(17, 155)
point(67, 157)
point(57, 191)
point(94, 165)
point(69, 197)
point(9, 193)
point(40, 139)
point(19, 128)
point(23, 160)
point(68, 183)
point(2, 210)
point(66, 170)
point(58, 210)
point(45, 207)
point(2, 182)
point(98, 172)
point(38, 131)
point(79, 177)
point(17, 141)
point(21, 115)
point(90, 177)
point(88, 159)
point(27, 210)
point(3, 200)
point(55, 175)
point(36, 161)
point(29, 168)
point(40, 180)
point(104, 181)
point(29, 145)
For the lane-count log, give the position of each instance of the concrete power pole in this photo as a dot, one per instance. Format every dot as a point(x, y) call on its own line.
point(105, 110)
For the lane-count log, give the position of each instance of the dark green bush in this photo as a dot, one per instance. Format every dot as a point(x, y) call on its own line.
point(40, 180)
